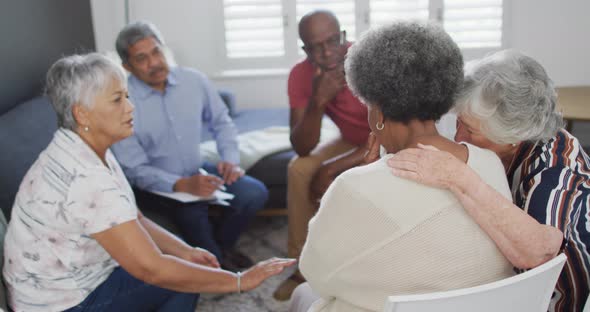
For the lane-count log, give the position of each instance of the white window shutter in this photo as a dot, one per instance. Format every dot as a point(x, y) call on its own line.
point(253, 28)
point(257, 34)
point(387, 11)
point(343, 9)
point(474, 23)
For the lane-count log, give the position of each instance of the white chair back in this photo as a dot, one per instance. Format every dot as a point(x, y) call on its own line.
point(530, 291)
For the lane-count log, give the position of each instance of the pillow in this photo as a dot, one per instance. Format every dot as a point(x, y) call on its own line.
point(25, 131)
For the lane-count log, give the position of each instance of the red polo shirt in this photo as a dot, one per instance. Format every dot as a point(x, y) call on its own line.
point(347, 112)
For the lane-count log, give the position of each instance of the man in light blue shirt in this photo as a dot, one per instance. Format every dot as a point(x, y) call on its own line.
point(172, 107)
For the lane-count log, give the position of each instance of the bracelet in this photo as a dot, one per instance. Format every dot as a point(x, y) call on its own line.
point(239, 282)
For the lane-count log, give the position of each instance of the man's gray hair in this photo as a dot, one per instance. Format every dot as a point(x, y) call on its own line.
point(409, 70)
point(132, 33)
point(77, 79)
point(512, 96)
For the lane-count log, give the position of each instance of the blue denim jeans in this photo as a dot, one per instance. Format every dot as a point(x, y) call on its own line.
point(193, 219)
point(123, 292)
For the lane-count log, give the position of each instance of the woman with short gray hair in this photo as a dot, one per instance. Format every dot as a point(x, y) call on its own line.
point(508, 105)
point(377, 235)
point(494, 91)
point(76, 240)
point(78, 80)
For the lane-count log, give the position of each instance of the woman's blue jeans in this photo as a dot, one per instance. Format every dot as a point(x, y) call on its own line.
point(123, 292)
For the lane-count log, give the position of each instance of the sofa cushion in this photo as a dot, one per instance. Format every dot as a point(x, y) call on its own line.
point(256, 119)
point(24, 132)
point(277, 197)
point(272, 169)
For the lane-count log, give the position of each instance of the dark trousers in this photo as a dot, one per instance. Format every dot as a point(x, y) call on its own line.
point(192, 219)
point(123, 292)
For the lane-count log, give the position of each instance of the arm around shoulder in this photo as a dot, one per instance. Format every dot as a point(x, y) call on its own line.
point(524, 241)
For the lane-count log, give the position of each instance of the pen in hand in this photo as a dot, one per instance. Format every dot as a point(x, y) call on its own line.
point(204, 172)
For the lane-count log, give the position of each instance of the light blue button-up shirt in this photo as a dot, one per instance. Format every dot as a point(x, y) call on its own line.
point(167, 130)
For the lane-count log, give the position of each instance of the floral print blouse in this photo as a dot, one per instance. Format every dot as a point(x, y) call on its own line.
point(51, 261)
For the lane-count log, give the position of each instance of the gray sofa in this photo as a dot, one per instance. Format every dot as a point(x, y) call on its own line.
point(26, 130)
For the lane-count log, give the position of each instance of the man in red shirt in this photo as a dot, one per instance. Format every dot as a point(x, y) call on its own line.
point(317, 86)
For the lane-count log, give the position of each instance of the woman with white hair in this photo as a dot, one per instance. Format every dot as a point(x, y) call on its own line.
point(377, 235)
point(508, 105)
point(76, 240)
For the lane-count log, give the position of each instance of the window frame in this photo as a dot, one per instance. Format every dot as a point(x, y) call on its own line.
point(362, 23)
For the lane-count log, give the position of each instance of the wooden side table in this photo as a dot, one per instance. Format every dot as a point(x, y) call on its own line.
point(574, 104)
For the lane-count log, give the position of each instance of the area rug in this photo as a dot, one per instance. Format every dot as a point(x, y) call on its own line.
point(265, 238)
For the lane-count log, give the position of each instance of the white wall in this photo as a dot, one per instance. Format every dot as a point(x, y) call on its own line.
point(108, 17)
point(554, 32)
point(557, 34)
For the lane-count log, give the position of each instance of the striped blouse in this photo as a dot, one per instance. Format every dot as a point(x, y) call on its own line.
point(550, 181)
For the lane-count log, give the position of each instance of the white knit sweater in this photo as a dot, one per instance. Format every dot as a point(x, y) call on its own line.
point(377, 235)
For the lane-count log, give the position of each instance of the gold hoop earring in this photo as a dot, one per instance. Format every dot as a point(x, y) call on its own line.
point(380, 128)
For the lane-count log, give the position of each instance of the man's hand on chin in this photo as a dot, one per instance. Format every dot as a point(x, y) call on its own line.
point(327, 83)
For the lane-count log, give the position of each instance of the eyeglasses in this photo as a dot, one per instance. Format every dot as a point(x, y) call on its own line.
point(330, 44)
